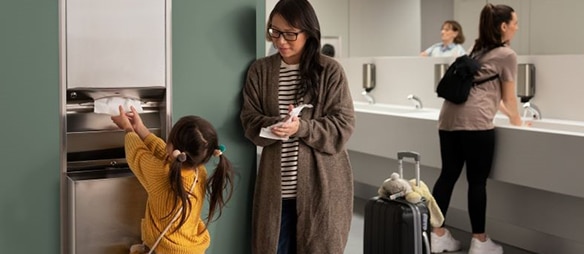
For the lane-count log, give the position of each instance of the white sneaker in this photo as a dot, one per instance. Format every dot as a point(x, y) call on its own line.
point(488, 247)
point(444, 243)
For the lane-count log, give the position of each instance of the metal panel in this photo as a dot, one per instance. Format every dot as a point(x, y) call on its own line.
point(105, 209)
point(116, 43)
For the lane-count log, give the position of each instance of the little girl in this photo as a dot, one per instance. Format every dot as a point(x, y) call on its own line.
point(175, 179)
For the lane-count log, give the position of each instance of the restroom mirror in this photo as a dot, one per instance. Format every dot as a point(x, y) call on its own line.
point(406, 27)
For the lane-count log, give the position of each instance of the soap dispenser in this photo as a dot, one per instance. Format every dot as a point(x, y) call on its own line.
point(525, 82)
point(368, 77)
point(368, 81)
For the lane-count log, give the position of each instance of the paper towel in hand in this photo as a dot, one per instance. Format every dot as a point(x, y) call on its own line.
point(266, 132)
point(109, 105)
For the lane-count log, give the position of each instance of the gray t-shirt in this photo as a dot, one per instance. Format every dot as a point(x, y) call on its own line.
point(478, 111)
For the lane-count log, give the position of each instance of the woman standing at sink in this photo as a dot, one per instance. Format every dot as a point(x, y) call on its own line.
point(467, 132)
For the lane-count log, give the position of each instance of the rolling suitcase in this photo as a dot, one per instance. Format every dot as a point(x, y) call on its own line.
point(394, 225)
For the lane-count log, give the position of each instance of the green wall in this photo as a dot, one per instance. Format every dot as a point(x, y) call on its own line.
point(213, 43)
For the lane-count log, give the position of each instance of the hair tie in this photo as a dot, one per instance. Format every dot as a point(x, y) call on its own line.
point(180, 156)
point(219, 151)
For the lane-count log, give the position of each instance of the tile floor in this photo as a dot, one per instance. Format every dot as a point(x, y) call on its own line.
point(355, 243)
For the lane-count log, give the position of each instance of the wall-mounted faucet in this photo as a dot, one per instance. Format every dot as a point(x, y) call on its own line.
point(416, 100)
point(533, 111)
point(368, 97)
point(368, 81)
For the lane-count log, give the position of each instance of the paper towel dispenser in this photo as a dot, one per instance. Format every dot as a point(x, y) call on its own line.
point(525, 82)
point(89, 133)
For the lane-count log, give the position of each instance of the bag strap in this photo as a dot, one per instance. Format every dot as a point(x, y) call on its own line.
point(478, 82)
point(477, 57)
point(174, 218)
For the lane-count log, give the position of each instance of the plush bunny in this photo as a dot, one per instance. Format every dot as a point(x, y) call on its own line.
point(436, 216)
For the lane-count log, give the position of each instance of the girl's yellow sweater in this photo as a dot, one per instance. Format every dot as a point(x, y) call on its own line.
point(149, 161)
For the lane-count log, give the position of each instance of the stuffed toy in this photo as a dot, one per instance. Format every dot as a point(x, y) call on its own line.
point(395, 187)
point(436, 216)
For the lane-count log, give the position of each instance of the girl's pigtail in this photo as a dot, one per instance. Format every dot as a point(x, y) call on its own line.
point(220, 186)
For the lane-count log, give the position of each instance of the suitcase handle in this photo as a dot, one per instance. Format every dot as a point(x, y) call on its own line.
point(409, 154)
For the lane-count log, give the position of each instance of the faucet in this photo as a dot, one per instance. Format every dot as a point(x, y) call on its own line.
point(416, 100)
point(368, 97)
point(532, 109)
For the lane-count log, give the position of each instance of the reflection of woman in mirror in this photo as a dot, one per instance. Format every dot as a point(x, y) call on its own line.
point(467, 133)
point(452, 40)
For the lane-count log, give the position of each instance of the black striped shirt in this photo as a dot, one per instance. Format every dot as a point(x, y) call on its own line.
point(287, 90)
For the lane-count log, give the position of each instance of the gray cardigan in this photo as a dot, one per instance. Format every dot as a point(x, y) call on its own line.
point(325, 179)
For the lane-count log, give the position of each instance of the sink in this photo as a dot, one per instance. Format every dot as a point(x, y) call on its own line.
point(547, 125)
point(523, 154)
point(389, 109)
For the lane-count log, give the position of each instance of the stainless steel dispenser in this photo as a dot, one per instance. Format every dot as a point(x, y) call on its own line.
point(525, 82)
point(105, 202)
point(368, 77)
point(108, 48)
point(439, 71)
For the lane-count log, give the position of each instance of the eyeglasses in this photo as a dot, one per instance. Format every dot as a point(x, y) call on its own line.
point(289, 36)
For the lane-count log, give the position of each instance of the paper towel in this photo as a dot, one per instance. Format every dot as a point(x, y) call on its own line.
point(266, 132)
point(109, 105)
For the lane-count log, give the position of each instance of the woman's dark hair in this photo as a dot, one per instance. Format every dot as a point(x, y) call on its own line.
point(490, 36)
point(301, 15)
point(455, 26)
point(197, 138)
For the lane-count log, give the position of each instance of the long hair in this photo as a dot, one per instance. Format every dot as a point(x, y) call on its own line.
point(455, 26)
point(197, 138)
point(490, 34)
point(301, 15)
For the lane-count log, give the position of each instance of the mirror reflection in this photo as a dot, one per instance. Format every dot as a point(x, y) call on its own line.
point(363, 28)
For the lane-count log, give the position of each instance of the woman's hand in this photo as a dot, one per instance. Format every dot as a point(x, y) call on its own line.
point(288, 127)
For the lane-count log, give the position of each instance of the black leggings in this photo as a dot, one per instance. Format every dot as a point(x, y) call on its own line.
point(476, 149)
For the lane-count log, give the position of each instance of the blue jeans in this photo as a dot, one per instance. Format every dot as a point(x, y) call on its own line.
point(287, 240)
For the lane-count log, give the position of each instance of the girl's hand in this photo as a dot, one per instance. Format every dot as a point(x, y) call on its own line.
point(122, 120)
point(135, 119)
point(137, 123)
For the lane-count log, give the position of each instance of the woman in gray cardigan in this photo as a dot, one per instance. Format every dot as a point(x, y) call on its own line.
point(304, 188)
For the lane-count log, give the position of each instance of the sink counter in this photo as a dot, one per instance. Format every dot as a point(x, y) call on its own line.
point(546, 156)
